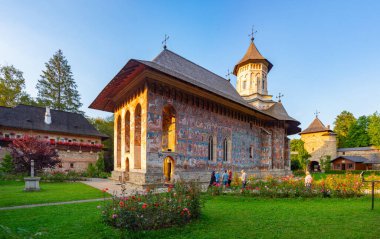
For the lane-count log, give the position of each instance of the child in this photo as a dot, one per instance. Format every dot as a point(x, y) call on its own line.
point(308, 180)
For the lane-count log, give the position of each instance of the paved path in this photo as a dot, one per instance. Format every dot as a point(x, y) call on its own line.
point(114, 187)
point(52, 204)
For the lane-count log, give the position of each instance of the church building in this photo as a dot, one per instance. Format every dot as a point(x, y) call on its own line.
point(174, 118)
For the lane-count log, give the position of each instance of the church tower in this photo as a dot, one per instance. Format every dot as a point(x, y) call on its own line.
point(251, 72)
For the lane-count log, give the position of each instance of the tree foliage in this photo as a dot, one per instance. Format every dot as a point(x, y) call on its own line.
point(7, 165)
point(374, 129)
point(297, 146)
point(12, 85)
point(343, 122)
point(29, 148)
point(105, 126)
point(358, 133)
point(57, 88)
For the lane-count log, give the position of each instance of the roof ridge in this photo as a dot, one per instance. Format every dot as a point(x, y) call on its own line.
point(190, 62)
point(42, 107)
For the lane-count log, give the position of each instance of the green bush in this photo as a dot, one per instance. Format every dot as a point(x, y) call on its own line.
point(150, 211)
point(91, 171)
point(104, 175)
point(61, 176)
point(7, 165)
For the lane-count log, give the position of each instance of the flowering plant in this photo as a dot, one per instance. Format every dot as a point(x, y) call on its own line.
point(180, 205)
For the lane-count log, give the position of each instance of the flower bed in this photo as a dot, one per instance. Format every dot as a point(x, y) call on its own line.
point(180, 205)
point(342, 186)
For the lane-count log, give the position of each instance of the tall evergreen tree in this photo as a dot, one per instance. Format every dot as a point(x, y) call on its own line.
point(12, 85)
point(57, 88)
point(343, 123)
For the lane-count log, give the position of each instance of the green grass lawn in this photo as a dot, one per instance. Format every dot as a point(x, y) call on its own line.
point(222, 217)
point(12, 194)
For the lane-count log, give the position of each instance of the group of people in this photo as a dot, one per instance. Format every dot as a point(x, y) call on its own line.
point(226, 178)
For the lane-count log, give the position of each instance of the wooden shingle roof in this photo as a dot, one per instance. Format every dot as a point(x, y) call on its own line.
point(252, 55)
point(28, 117)
point(316, 126)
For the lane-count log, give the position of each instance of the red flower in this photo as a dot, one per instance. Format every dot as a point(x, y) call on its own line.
point(144, 206)
point(121, 203)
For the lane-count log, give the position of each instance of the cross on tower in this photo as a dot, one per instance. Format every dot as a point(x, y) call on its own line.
point(165, 40)
point(316, 113)
point(228, 75)
point(279, 96)
point(252, 33)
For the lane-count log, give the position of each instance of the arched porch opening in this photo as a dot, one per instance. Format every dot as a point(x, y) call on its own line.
point(168, 167)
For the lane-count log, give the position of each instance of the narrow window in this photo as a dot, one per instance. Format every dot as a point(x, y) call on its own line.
point(168, 128)
point(210, 148)
point(251, 152)
point(225, 150)
point(127, 129)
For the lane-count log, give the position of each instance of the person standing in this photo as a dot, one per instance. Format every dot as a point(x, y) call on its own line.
point(308, 180)
point(229, 177)
point(225, 178)
point(243, 178)
point(217, 177)
point(212, 180)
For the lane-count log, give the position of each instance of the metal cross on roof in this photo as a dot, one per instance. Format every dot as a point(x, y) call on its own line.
point(165, 40)
point(228, 75)
point(252, 33)
point(279, 96)
point(316, 113)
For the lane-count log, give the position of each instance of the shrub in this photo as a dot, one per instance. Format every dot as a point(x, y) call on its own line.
point(91, 170)
point(7, 165)
point(180, 205)
point(61, 176)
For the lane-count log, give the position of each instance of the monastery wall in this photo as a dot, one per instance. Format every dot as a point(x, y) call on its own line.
point(195, 124)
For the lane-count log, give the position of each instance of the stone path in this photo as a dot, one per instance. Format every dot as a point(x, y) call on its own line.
point(52, 204)
point(114, 187)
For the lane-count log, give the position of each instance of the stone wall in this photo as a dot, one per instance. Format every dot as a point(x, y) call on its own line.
point(320, 144)
point(194, 126)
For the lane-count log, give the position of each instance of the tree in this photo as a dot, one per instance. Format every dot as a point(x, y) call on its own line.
point(358, 133)
point(7, 165)
point(12, 84)
point(105, 126)
point(300, 154)
point(374, 129)
point(57, 88)
point(343, 123)
point(29, 148)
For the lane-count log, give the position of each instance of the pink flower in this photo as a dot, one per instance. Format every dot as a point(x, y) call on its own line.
point(144, 206)
point(114, 216)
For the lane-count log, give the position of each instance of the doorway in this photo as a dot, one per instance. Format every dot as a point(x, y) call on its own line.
point(168, 169)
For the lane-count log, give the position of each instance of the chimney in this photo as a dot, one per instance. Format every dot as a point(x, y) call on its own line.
point(47, 116)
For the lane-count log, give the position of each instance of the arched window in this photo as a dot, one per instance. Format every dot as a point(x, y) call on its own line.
point(127, 129)
point(168, 128)
point(118, 142)
point(210, 148)
point(225, 150)
point(137, 148)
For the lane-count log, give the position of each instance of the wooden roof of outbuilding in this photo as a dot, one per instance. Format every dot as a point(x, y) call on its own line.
point(316, 126)
point(28, 117)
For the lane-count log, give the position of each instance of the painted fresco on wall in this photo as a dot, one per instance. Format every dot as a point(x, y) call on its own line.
point(195, 125)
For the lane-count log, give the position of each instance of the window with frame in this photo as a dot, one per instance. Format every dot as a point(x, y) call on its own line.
point(350, 166)
point(251, 152)
point(225, 150)
point(210, 148)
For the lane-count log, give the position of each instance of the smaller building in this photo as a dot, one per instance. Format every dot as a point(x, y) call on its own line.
point(76, 140)
point(320, 143)
point(360, 158)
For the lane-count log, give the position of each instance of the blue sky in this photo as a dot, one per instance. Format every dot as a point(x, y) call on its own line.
point(325, 53)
